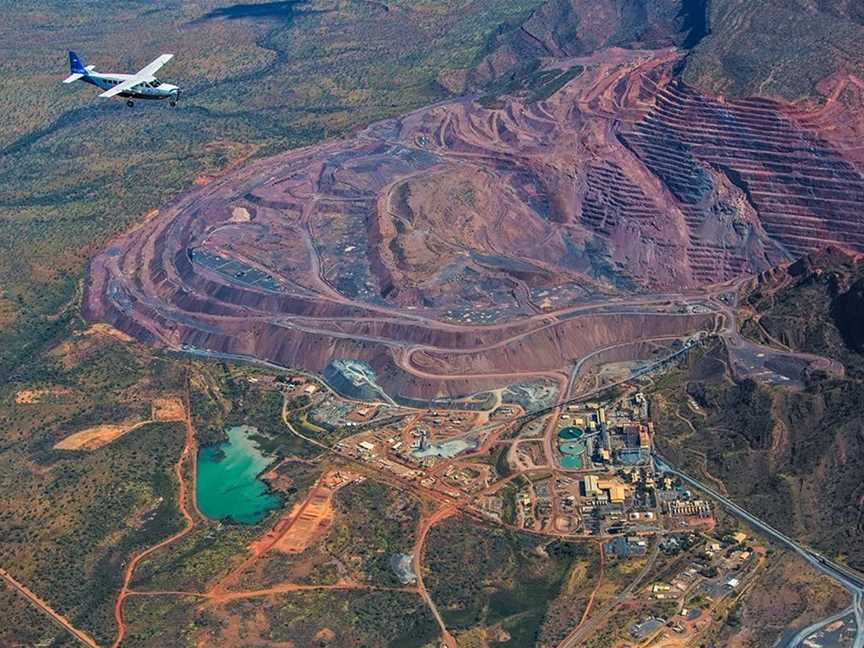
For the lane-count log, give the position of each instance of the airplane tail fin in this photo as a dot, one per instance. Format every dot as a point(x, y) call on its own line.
point(76, 65)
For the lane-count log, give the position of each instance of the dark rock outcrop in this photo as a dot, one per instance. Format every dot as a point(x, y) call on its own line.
point(848, 312)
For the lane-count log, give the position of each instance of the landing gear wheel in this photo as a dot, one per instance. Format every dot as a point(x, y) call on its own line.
point(173, 104)
point(130, 103)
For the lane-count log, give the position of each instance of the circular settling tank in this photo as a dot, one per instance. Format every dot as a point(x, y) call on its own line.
point(569, 461)
point(572, 448)
point(571, 433)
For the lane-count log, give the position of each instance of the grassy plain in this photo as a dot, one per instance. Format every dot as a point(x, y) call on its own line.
point(156, 622)
point(373, 522)
point(71, 518)
point(338, 619)
point(25, 626)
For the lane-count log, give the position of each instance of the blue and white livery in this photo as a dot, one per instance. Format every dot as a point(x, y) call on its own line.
point(141, 85)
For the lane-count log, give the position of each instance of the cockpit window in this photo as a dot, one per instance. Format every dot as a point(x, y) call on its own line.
point(155, 84)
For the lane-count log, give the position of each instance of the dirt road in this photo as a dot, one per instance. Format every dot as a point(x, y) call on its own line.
point(589, 624)
point(55, 616)
point(220, 589)
point(189, 447)
point(427, 523)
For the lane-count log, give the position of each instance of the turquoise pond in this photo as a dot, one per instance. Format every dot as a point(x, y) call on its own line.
point(228, 486)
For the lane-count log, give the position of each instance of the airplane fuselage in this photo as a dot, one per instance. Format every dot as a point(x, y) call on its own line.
point(147, 90)
point(141, 85)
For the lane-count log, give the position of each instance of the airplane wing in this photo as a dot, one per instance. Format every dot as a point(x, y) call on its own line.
point(151, 69)
point(128, 84)
point(143, 75)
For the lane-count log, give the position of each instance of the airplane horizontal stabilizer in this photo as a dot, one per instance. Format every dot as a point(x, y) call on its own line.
point(73, 77)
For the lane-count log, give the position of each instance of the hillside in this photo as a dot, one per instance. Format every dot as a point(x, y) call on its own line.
point(570, 28)
point(781, 48)
point(815, 305)
point(794, 457)
point(736, 48)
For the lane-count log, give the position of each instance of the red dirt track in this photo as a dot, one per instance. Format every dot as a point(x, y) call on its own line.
point(458, 248)
point(185, 502)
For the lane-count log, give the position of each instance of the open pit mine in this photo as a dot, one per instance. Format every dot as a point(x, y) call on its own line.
point(471, 245)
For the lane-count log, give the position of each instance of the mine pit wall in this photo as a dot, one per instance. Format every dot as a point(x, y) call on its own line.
point(304, 351)
point(561, 345)
point(205, 294)
point(773, 182)
point(642, 351)
point(442, 373)
point(797, 176)
point(203, 290)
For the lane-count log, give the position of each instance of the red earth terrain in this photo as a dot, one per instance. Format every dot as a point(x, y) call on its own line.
point(462, 247)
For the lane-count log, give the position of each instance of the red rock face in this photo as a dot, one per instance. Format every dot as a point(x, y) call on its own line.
point(803, 192)
point(461, 248)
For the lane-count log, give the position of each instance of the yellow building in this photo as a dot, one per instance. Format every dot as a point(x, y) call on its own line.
point(591, 484)
point(616, 490)
point(594, 486)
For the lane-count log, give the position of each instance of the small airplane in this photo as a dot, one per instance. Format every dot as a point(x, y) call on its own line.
point(141, 85)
